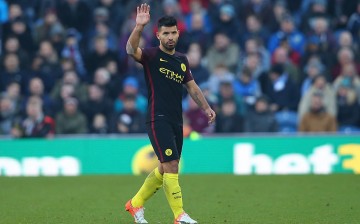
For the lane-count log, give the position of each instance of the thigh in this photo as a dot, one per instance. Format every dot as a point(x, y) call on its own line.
point(162, 138)
point(179, 137)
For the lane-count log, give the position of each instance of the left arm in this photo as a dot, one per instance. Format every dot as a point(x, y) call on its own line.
point(196, 94)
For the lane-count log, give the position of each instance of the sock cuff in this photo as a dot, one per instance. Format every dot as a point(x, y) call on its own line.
point(158, 175)
point(171, 176)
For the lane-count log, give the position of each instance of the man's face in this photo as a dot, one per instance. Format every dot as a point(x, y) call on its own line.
point(168, 37)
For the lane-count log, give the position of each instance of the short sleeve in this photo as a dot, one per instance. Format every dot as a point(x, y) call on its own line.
point(188, 75)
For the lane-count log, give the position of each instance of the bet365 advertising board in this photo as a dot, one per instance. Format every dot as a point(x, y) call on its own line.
point(228, 155)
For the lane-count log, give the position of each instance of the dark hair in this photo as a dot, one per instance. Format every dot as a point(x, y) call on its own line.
point(167, 21)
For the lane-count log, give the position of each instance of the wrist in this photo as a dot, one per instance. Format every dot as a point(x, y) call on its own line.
point(139, 27)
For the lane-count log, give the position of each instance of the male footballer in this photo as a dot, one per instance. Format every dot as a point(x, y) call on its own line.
point(166, 72)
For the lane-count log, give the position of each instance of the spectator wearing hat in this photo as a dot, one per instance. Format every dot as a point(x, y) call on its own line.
point(316, 118)
point(312, 69)
point(72, 51)
point(321, 87)
point(261, 119)
point(227, 22)
point(35, 124)
point(129, 119)
point(283, 93)
point(295, 39)
point(75, 14)
point(71, 120)
point(131, 87)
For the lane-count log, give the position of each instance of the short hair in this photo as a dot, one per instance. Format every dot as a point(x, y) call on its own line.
point(167, 21)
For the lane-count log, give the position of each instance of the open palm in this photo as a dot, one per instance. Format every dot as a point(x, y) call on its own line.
point(143, 14)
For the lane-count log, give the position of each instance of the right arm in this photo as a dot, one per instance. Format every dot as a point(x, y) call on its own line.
point(142, 18)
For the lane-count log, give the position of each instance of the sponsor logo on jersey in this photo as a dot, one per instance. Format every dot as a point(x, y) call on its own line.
point(172, 75)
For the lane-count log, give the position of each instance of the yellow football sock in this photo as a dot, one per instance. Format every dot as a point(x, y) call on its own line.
point(150, 186)
point(173, 193)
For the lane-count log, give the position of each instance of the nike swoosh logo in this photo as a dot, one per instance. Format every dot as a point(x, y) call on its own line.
point(176, 193)
point(163, 60)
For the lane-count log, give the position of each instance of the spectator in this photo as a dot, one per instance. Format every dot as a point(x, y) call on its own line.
point(197, 10)
point(320, 29)
point(97, 103)
point(131, 87)
point(35, 124)
point(21, 31)
point(247, 87)
point(344, 56)
point(254, 30)
point(100, 55)
point(71, 120)
point(99, 125)
point(3, 12)
point(45, 26)
point(314, 9)
point(345, 40)
point(197, 32)
point(13, 92)
point(199, 72)
point(312, 69)
point(15, 11)
point(254, 47)
point(7, 114)
point(228, 120)
point(320, 87)
point(71, 78)
point(129, 119)
point(66, 91)
point(75, 14)
point(260, 8)
point(350, 76)
point(283, 93)
point(317, 119)
point(13, 73)
point(72, 51)
point(36, 88)
point(116, 79)
point(261, 119)
point(221, 73)
point(12, 46)
point(227, 22)
point(288, 31)
point(226, 92)
point(116, 12)
point(281, 56)
point(101, 29)
point(347, 106)
point(223, 52)
point(196, 118)
point(353, 24)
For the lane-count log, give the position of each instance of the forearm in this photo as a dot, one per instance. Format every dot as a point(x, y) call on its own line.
point(199, 98)
point(134, 40)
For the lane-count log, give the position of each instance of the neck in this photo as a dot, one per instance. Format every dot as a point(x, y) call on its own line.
point(166, 50)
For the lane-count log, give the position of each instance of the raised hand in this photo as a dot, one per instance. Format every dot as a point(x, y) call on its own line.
point(143, 14)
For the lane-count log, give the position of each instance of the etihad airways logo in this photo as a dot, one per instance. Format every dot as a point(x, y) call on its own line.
point(172, 75)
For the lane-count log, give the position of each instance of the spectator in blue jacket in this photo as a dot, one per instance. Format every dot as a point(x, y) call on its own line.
point(295, 38)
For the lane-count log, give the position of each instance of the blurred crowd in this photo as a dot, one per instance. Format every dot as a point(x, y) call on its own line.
point(264, 65)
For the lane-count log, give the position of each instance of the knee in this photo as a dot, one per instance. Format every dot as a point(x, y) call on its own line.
point(171, 166)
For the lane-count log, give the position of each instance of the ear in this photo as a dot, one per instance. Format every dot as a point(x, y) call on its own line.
point(158, 35)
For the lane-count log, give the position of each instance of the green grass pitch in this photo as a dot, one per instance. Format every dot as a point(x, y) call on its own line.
point(208, 198)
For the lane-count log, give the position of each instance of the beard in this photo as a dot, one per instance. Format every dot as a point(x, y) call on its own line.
point(168, 46)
